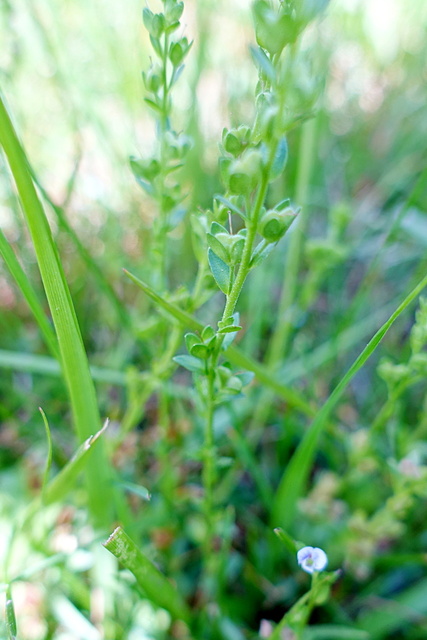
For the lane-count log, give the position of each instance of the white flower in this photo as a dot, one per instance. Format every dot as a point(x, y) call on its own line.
point(312, 559)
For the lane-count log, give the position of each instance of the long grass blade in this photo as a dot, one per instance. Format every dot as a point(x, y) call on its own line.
point(155, 584)
point(73, 356)
point(49, 451)
point(44, 365)
point(10, 616)
point(29, 294)
point(64, 481)
point(296, 473)
point(234, 354)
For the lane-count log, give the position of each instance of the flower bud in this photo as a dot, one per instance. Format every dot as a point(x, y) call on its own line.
point(244, 173)
point(273, 30)
point(152, 79)
point(236, 140)
point(173, 11)
point(274, 223)
point(178, 51)
point(154, 22)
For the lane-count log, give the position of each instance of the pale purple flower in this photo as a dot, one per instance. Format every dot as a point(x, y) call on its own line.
point(312, 559)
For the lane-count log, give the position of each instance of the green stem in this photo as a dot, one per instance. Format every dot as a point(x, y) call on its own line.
point(280, 339)
point(208, 467)
point(160, 229)
point(244, 268)
point(388, 408)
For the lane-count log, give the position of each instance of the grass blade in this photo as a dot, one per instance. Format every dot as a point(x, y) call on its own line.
point(64, 481)
point(86, 257)
point(49, 452)
point(402, 610)
point(295, 476)
point(330, 631)
point(43, 365)
point(29, 294)
point(155, 584)
point(74, 362)
point(234, 354)
point(10, 616)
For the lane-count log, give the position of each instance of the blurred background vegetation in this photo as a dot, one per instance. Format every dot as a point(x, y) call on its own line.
point(71, 75)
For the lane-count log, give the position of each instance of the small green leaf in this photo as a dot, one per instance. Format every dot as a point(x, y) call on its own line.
point(208, 333)
point(190, 340)
point(261, 252)
point(218, 248)
point(230, 206)
point(155, 43)
point(173, 27)
point(190, 363)
point(220, 271)
point(217, 228)
point(227, 322)
point(237, 249)
point(280, 160)
point(230, 329)
point(137, 489)
point(246, 377)
point(263, 62)
point(234, 384)
point(157, 108)
point(200, 351)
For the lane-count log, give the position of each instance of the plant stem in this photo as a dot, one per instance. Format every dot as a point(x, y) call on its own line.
point(208, 467)
point(244, 268)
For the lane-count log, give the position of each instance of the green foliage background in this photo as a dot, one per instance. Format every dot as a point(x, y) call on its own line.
point(70, 75)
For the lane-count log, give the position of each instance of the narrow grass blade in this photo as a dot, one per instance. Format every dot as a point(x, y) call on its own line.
point(330, 631)
point(73, 620)
point(86, 257)
point(183, 317)
point(29, 294)
point(32, 570)
point(235, 356)
point(64, 481)
point(292, 397)
point(336, 346)
point(289, 543)
point(392, 615)
point(44, 365)
point(157, 587)
point(296, 473)
point(73, 356)
point(279, 342)
point(49, 451)
point(10, 616)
